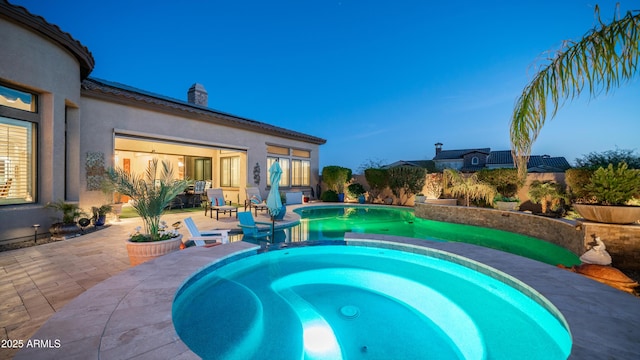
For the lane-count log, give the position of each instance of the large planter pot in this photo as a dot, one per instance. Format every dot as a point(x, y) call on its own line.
point(281, 213)
point(420, 199)
point(140, 252)
point(507, 205)
point(608, 214)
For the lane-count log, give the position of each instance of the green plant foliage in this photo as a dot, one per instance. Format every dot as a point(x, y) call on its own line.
point(378, 180)
point(506, 181)
point(100, 211)
point(150, 194)
point(355, 190)
point(605, 57)
point(577, 180)
point(329, 196)
point(595, 160)
point(469, 187)
point(549, 194)
point(406, 181)
point(614, 185)
point(70, 211)
point(336, 177)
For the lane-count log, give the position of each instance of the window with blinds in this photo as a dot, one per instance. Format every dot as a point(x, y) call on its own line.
point(230, 171)
point(17, 161)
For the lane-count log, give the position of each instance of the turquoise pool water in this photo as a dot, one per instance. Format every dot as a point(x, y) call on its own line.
point(356, 302)
point(331, 222)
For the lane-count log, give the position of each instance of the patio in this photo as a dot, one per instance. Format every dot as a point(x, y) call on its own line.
point(126, 314)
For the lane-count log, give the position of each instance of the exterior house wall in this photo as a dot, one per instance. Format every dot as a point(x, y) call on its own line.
point(468, 159)
point(37, 64)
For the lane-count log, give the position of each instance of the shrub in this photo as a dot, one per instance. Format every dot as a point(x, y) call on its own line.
point(329, 196)
point(614, 186)
point(433, 185)
point(336, 177)
point(505, 181)
point(595, 160)
point(577, 180)
point(355, 190)
point(406, 181)
point(378, 180)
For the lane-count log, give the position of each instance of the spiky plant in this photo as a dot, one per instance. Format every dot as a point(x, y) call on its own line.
point(468, 187)
point(603, 59)
point(150, 193)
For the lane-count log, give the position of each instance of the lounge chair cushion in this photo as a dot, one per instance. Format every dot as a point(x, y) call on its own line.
point(219, 201)
point(256, 199)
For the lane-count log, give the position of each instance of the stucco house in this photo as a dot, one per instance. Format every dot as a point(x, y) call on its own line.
point(59, 129)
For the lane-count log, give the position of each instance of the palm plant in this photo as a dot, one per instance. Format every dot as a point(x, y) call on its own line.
point(468, 186)
point(548, 194)
point(604, 58)
point(150, 194)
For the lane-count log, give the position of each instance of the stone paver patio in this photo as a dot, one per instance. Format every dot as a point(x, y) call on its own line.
point(128, 315)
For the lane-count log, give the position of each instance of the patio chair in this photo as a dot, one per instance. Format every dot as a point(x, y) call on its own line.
point(217, 202)
point(250, 227)
point(204, 238)
point(254, 200)
point(195, 197)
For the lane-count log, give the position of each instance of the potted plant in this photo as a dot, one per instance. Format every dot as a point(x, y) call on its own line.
point(100, 214)
point(150, 195)
point(336, 177)
point(611, 189)
point(70, 214)
point(356, 191)
point(420, 198)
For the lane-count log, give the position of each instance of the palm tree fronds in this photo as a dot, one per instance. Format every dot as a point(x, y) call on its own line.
point(602, 60)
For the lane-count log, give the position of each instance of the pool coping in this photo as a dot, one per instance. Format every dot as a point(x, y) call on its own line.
point(129, 315)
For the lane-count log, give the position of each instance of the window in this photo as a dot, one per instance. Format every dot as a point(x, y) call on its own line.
point(17, 99)
point(230, 171)
point(300, 172)
point(474, 160)
point(17, 161)
point(284, 165)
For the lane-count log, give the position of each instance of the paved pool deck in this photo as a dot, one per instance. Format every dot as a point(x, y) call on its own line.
point(82, 300)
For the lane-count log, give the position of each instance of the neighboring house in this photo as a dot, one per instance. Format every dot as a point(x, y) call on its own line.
point(470, 160)
point(59, 129)
point(427, 164)
point(536, 163)
point(467, 160)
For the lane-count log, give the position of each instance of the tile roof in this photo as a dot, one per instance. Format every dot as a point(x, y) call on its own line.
point(115, 91)
point(540, 163)
point(428, 164)
point(22, 16)
point(458, 154)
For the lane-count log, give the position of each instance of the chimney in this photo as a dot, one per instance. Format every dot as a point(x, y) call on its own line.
point(438, 148)
point(197, 95)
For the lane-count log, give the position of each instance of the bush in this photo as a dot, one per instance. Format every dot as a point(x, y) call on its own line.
point(407, 181)
point(597, 160)
point(577, 180)
point(355, 190)
point(336, 177)
point(505, 181)
point(378, 180)
point(614, 186)
point(329, 196)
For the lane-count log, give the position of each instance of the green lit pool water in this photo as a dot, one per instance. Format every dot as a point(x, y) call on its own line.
point(331, 222)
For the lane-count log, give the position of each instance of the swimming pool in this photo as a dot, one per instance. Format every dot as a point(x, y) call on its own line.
point(364, 302)
point(331, 222)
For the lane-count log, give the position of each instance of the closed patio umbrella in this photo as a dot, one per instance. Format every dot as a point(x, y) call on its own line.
point(274, 203)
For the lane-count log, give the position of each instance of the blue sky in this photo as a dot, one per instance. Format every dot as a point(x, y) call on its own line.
point(380, 80)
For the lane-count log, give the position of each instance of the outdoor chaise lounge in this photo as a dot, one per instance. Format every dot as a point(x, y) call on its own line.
point(205, 238)
point(216, 201)
point(250, 227)
point(254, 200)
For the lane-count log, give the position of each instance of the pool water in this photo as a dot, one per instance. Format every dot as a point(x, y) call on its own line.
point(357, 302)
point(331, 222)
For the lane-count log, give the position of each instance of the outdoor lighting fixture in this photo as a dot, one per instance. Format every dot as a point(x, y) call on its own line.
point(35, 235)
